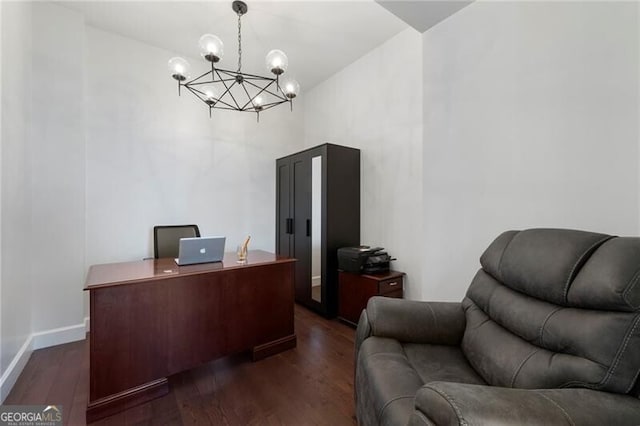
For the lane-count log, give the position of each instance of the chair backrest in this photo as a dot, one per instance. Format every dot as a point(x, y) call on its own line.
point(555, 308)
point(166, 239)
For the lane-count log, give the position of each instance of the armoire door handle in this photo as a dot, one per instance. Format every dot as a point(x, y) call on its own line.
point(289, 226)
point(308, 227)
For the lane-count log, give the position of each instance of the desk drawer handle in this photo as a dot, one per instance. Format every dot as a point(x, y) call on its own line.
point(393, 283)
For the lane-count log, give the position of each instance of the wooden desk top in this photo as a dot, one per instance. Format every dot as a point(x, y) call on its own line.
point(115, 274)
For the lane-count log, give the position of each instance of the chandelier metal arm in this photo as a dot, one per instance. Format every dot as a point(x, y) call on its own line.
point(226, 103)
point(201, 83)
point(284, 95)
point(232, 109)
point(195, 93)
point(251, 99)
point(201, 96)
point(265, 89)
point(232, 74)
point(253, 78)
point(228, 89)
point(244, 74)
point(193, 80)
point(257, 94)
point(273, 104)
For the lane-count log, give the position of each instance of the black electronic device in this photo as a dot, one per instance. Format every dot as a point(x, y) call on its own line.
point(363, 260)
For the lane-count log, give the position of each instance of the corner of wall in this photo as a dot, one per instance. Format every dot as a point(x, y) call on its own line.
point(15, 318)
point(35, 341)
point(57, 192)
point(1, 391)
point(13, 371)
point(387, 127)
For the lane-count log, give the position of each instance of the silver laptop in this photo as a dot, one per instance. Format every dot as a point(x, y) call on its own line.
point(200, 250)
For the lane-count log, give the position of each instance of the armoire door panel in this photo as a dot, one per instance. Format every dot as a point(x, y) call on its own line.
point(301, 212)
point(283, 205)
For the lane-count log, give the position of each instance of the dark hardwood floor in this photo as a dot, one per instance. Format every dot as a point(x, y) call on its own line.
point(309, 385)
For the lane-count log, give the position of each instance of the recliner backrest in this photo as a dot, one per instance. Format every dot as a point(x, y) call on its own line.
point(636, 389)
point(555, 308)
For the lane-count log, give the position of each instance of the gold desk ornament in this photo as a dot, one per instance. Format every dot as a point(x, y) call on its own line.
point(243, 249)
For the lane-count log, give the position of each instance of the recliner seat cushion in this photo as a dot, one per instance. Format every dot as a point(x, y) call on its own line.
point(556, 308)
point(390, 373)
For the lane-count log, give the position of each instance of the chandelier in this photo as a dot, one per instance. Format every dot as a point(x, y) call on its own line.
point(235, 90)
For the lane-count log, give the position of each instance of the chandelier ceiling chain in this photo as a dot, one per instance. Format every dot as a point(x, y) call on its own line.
point(224, 89)
point(239, 41)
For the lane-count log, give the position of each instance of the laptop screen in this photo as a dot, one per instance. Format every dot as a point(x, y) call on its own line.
point(200, 250)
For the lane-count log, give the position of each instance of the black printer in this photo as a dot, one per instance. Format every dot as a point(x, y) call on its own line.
point(363, 260)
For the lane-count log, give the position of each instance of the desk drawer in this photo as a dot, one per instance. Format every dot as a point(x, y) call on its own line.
point(390, 285)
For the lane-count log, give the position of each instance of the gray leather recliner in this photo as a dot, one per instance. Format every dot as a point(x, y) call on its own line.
point(548, 334)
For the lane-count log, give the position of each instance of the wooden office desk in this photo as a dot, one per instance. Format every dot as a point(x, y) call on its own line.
point(151, 319)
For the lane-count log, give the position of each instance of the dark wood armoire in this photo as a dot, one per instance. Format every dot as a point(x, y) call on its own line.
point(317, 212)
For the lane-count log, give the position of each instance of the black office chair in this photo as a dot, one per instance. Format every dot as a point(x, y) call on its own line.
point(166, 239)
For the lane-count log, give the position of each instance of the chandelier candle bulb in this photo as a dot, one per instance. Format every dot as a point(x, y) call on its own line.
point(291, 88)
point(277, 61)
point(258, 101)
point(179, 68)
point(211, 95)
point(211, 48)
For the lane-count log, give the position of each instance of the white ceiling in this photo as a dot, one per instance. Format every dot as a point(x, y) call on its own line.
point(319, 37)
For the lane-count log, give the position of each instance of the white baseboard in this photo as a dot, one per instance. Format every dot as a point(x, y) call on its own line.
point(87, 324)
point(39, 340)
point(14, 369)
point(58, 336)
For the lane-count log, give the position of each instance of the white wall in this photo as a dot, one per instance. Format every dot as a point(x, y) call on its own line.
point(58, 167)
point(155, 158)
point(530, 120)
point(15, 229)
point(1, 134)
point(1, 137)
point(375, 104)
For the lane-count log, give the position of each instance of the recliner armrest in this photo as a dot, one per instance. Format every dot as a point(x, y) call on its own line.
point(446, 403)
point(438, 323)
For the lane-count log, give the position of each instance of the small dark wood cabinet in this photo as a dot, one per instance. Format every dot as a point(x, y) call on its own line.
point(317, 212)
point(357, 289)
